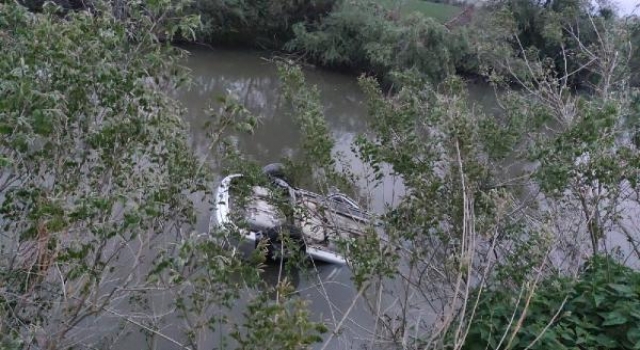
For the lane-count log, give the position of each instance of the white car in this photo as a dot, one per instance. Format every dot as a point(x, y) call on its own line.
point(316, 221)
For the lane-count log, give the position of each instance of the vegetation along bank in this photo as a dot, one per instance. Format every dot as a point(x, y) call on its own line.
point(381, 36)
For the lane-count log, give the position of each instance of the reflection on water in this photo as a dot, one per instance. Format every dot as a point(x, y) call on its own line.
point(253, 81)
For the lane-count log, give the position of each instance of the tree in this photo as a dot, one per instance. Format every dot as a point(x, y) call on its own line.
point(556, 31)
point(98, 165)
point(466, 224)
point(98, 189)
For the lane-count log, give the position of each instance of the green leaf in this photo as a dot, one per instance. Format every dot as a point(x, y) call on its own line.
point(606, 341)
point(633, 335)
point(598, 299)
point(622, 289)
point(4, 161)
point(614, 318)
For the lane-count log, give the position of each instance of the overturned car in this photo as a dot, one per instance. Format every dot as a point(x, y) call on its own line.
point(314, 222)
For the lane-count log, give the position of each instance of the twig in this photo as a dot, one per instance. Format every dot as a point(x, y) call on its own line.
point(345, 316)
point(164, 336)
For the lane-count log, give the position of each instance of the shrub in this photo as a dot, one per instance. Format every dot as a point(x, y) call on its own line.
point(261, 23)
point(599, 310)
point(363, 36)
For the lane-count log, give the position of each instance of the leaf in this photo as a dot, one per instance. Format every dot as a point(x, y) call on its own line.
point(605, 341)
point(622, 289)
point(598, 299)
point(633, 335)
point(614, 318)
point(4, 161)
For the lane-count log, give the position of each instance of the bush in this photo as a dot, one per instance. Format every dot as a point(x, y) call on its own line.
point(341, 39)
point(99, 188)
point(363, 36)
point(601, 311)
point(261, 23)
point(555, 30)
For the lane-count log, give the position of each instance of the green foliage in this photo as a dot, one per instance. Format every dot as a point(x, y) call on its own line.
point(98, 155)
point(314, 166)
point(418, 43)
point(578, 142)
point(459, 211)
point(97, 173)
point(599, 310)
point(605, 165)
point(431, 137)
point(510, 32)
point(589, 163)
point(261, 23)
point(360, 36)
point(98, 188)
point(371, 258)
point(277, 325)
point(341, 38)
point(308, 114)
point(417, 131)
point(439, 11)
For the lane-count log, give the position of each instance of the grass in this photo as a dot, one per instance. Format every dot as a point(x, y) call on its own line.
point(441, 12)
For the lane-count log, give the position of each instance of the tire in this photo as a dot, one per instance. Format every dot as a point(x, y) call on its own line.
point(276, 170)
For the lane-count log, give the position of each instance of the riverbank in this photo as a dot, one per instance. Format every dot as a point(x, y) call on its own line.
point(431, 40)
point(371, 37)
